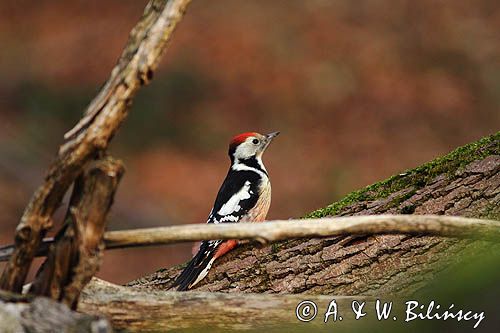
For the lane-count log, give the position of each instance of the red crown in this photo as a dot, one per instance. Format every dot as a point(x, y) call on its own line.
point(240, 138)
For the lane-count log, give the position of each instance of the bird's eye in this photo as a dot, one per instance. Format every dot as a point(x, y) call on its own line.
point(255, 141)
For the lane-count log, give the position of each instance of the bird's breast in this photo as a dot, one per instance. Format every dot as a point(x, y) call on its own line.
point(259, 212)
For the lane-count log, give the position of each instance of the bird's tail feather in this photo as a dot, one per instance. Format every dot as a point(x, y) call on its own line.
point(198, 267)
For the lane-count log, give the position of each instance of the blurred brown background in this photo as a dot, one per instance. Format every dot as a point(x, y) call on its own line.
point(359, 89)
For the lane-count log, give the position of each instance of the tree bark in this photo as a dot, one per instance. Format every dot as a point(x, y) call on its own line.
point(76, 254)
point(466, 183)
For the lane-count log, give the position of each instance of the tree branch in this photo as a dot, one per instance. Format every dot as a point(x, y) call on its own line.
point(128, 309)
point(446, 226)
point(76, 254)
point(92, 134)
point(270, 231)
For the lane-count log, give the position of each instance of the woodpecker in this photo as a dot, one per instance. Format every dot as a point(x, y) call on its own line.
point(244, 196)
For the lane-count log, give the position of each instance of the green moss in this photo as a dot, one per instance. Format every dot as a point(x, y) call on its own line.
point(447, 165)
point(401, 198)
point(492, 212)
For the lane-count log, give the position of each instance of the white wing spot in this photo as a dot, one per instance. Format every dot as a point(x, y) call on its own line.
point(233, 204)
point(231, 218)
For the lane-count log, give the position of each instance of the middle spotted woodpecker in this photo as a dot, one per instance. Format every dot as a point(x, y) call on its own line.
point(245, 196)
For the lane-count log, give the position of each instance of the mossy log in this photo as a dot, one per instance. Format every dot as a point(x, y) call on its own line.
point(465, 182)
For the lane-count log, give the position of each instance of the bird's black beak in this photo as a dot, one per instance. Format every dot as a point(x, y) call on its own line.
point(271, 136)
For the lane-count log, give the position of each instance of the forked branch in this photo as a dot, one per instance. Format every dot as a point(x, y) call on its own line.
point(92, 134)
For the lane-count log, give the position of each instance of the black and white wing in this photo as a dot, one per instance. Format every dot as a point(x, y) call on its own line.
point(237, 196)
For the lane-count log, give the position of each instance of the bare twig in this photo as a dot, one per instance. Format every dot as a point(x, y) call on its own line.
point(92, 134)
point(438, 225)
point(447, 226)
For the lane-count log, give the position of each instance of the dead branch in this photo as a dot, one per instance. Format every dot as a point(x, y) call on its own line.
point(447, 226)
point(436, 225)
point(76, 254)
point(128, 309)
point(104, 115)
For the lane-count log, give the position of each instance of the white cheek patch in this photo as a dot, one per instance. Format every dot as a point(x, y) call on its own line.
point(233, 204)
point(245, 150)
